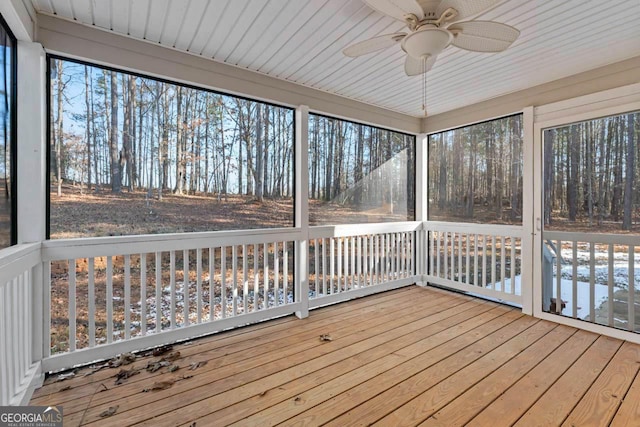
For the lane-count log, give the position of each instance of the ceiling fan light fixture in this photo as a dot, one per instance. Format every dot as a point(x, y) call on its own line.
point(427, 42)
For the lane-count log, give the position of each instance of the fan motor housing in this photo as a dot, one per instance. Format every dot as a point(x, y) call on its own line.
point(426, 42)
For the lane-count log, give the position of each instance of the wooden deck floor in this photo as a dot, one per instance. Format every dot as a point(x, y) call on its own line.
point(415, 356)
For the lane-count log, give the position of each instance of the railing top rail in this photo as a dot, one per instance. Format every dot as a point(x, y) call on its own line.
point(149, 243)
point(473, 228)
point(18, 258)
point(620, 239)
point(345, 230)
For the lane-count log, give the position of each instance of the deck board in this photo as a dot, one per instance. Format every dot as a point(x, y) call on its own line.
point(405, 357)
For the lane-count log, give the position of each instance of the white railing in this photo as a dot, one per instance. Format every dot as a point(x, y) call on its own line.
point(20, 321)
point(594, 277)
point(476, 258)
point(354, 260)
point(129, 293)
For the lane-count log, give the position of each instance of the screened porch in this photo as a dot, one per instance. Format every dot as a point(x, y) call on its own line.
point(217, 213)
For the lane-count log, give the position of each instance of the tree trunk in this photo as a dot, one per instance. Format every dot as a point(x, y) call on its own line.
point(116, 177)
point(630, 174)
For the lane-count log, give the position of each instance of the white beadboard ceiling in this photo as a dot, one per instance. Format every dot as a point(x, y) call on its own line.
point(301, 41)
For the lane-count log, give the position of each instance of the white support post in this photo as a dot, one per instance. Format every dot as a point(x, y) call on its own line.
point(531, 190)
point(32, 167)
point(302, 209)
point(422, 205)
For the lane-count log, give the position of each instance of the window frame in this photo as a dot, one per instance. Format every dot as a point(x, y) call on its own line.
point(78, 61)
point(480, 122)
point(415, 157)
point(13, 142)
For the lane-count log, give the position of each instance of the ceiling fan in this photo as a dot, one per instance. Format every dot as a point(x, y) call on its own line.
point(433, 26)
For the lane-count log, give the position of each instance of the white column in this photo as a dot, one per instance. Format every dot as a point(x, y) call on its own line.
point(422, 202)
point(302, 209)
point(32, 143)
point(32, 169)
point(531, 190)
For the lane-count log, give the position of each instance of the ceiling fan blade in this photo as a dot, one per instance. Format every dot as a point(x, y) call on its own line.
point(483, 36)
point(415, 67)
point(397, 9)
point(372, 45)
point(465, 8)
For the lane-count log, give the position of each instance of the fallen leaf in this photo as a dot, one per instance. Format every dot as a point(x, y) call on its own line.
point(162, 350)
point(325, 337)
point(157, 365)
point(109, 412)
point(124, 374)
point(196, 365)
point(171, 357)
point(160, 385)
point(63, 377)
point(173, 368)
point(65, 388)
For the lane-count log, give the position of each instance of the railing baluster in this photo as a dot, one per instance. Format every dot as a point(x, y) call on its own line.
point(493, 263)
point(212, 286)
point(437, 254)
point(592, 282)
point(460, 271)
point(484, 261)
point(256, 277)
point(91, 284)
point(245, 280)
point(610, 286)
point(285, 273)
point(512, 260)
point(4, 348)
point(127, 297)
point(467, 272)
point(503, 260)
point(276, 272)
point(234, 278)
point(46, 318)
point(353, 268)
point(452, 269)
point(324, 267)
point(359, 268)
point(109, 299)
point(316, 265)
point(332, 258)
point(185, 287)
point(339, 265)
point(559, 277)
point(143, 294)
point(159, 299)
point(172, 286)
point(265, 285)
point(199, 285)
point(574, 280)
point(223, 281)
point(72, 304)
point(366, 261)
point(631, 300)
point(346, 269)
point(475, 260)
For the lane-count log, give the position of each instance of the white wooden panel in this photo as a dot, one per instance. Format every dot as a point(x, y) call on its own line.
point(196, 13)
point(294, 19)
point(138, 18)
point(102, 14)
point(262, 27)
point(62, 7)
point(174, 22)
point(313, 36)
point(120, 16)
point(82, 11)
point(210, 18)
point(224, 27)
point(156, 20)
point(247, 18)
